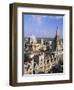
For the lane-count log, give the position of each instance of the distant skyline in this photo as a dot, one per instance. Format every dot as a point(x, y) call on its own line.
point(42, 25)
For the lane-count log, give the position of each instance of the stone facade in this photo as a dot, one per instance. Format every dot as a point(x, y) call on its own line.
point(43, 57)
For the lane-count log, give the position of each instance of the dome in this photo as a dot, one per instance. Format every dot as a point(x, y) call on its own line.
point(33, 39)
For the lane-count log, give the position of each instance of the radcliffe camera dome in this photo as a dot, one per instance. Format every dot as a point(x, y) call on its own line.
point(33, 39)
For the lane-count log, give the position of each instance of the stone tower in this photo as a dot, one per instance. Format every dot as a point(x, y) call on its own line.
point(56, 44)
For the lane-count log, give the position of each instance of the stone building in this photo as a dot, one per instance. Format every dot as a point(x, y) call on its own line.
point(57, 43)
point(44, 57)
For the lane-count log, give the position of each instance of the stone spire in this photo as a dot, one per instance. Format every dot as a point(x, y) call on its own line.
point(57, 31)
point(57, 36)
point(56, 40)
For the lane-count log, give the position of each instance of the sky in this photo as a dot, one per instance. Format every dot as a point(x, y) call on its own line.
point(42, 25)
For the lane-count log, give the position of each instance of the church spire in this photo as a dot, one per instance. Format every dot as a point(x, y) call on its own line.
point(57, 33)
point(57, 37)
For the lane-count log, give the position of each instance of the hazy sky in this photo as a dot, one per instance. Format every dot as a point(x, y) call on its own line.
point(42, 25)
